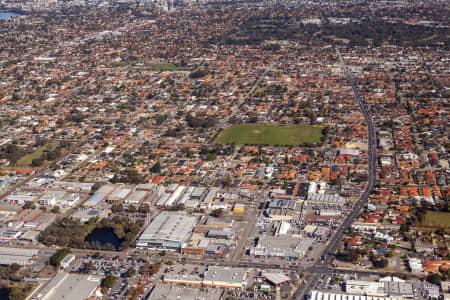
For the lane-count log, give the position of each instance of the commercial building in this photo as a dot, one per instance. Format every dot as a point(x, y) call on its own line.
point(221, 234)
point(162, 199)
point(183, 278)
point(95, 200)
point(222, 223)
point(7, 234)
point(119, 195)
point(85, 214)
point(325, 198)
point(209, 198)
point(280, 203)
point(415, 265)
point(282, 246)
point(239, 208)
point(279, 214)
point(186, 195)
point(275, 278)
point(67, 261)
point(213, 276)
point(169, 230)
point(225, 277)
point(166, 292)
point(389, 287)
point(319, 295)
point(198, 193)
point(136, 197)
point(175, 195)
point(71, 287)
point(283, 228)
point(21, 198)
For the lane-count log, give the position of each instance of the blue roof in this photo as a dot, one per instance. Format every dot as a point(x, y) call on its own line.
point(95, 199)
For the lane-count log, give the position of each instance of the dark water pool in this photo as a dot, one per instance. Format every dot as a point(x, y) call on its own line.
point(103, 236)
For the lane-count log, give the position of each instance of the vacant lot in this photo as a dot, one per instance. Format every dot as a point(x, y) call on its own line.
point(437, 219)
point(254, 134)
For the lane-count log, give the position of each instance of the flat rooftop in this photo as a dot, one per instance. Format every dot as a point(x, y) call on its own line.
point(169, 292)
point(172, 226)
point(223, 274)
point(70, 287)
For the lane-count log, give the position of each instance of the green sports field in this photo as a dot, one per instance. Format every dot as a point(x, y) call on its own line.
point(437, 219)
point(254, 134)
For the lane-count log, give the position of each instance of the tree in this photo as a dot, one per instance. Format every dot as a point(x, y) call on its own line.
point(352, 256)
point(9, 272)
point(55, 209)
point(217, 213)
point(96, 186)
point(37, 162)
point(117, 208)
point(130, 272)
point(144, 208)
point(156, 167)
point(88, 266)
point(109, 281)
point(55, 259)
point(155, 269)
point(131, 208)
point(133, 177)
point(198, 74)
point(28, 205)
point(434, 278)
point(404, 228)
point(379, 262)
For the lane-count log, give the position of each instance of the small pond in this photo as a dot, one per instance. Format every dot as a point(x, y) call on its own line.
point(104, 236)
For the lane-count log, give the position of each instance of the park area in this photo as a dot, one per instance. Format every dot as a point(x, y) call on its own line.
point(272, 135)
point(437, 219)
point(37, 154)
point(167, 67)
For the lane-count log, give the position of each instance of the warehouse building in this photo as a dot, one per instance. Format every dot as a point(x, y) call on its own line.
point(280, 203)
point(119, 195)
point(85, 214)
point(386, 288)
point(166, 292)
point(326, 198)
point(221, 234)
point(282, 246)
point(175, 195)
point(225, 277)
point(136, 197)
point(169, 230)
point(198, 193)
point(213, 276)
point(319, 295)
point(71, 287)
point(95, 200)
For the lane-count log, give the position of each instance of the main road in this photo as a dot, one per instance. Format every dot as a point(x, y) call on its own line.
point(321, 265)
